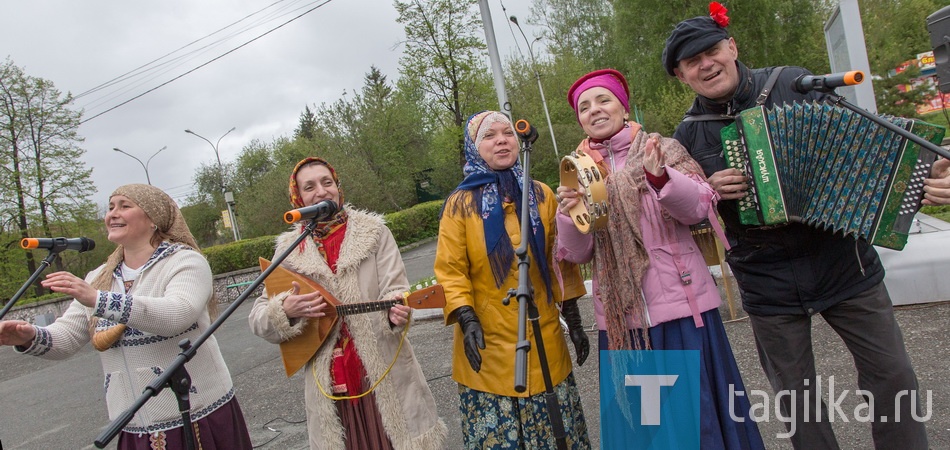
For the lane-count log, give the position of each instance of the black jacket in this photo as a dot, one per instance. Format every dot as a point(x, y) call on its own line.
point(794, 269)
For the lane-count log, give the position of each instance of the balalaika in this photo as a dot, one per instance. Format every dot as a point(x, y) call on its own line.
point(830, 168)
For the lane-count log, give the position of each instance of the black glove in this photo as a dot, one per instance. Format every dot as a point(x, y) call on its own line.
point(473, 335)
point(572, 315)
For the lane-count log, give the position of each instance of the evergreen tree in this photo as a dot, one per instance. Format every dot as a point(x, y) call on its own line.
point(308, 122)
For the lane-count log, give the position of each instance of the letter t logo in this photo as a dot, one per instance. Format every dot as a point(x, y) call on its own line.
point(650, 394)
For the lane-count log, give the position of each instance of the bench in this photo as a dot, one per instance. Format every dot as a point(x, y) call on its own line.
point(233, 289)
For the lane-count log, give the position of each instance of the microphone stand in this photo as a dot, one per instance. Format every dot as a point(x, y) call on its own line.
point(528, 310)
point(839, 100)
point(176, 377)
point(36, 274)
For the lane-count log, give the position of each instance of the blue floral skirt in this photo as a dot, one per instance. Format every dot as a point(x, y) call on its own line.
point(719, 370)
point(500, 422)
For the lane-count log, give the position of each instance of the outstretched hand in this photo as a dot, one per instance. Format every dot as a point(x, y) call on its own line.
point(73, 286)
point(16, 332)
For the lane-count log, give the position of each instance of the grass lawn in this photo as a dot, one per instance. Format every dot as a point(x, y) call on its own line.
point(937, 118)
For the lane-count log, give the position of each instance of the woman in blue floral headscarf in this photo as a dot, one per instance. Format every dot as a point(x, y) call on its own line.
point(475, 263)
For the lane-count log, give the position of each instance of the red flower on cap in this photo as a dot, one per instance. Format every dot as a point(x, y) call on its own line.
point(718, 14)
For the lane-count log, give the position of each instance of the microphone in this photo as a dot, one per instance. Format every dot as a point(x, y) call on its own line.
point(59, 244)
point(319, 212)
point(826, 83)
point(527, 132)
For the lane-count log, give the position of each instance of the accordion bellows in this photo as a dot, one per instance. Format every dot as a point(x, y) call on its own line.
point(830, 168)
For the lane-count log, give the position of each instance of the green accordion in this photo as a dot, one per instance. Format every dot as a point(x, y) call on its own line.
point(830, 168)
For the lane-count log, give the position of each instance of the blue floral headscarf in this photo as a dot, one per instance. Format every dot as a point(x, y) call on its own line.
point(493, 184)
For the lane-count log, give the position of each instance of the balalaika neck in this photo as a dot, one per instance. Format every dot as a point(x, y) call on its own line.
point(360, 308)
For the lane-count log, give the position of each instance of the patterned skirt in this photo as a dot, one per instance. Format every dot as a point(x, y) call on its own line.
point(502, 422)
point(718, 370)
point(224, 429)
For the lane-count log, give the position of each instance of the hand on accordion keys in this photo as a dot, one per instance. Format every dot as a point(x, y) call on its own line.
point(731, 184)
point(937, 187)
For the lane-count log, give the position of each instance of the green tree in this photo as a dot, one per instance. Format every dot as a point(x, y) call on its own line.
point(42, 172)
point(208, 181)
point(525, 97)
point(203, 219)
point(379, 143)
point(261, 184)
point(308, 122)
point(895, 31)
point(895, 96)
point(445, 54)
point(576, 27)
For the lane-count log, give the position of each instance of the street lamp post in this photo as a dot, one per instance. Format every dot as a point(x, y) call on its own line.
point(144, 165)
point(537, 75)
point(228, 196)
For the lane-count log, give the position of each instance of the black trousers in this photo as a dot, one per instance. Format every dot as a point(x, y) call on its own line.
point(868, 328)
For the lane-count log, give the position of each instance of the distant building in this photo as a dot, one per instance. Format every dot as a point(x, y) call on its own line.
point(928, 77)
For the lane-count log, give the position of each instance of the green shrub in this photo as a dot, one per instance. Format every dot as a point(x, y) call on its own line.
point(239, 255)
point(408, 226)
point(416, 223)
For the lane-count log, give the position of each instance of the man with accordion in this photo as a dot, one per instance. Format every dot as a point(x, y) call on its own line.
point(789, 272)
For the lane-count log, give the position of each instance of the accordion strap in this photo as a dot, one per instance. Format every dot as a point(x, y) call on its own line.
point(769, 84)
point(708, 117)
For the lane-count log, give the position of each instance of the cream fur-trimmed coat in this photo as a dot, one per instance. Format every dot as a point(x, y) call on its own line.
point(369, 268)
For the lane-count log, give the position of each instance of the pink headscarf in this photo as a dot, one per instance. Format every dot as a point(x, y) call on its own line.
point(609, 79)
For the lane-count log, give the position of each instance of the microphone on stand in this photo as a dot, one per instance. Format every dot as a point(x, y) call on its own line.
point(826, 83)
point(527, 132)
point(319, 212)
point(81, 244)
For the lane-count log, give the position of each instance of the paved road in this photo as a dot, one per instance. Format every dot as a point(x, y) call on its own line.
point(59, 405)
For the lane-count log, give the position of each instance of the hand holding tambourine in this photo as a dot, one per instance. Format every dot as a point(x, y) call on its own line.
point(582, 194)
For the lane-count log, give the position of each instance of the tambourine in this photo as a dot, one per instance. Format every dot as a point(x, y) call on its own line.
point(578, 170)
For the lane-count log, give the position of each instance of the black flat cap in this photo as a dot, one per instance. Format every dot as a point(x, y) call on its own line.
point(690, 38)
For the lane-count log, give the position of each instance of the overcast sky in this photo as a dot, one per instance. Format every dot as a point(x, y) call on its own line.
point(260, 88)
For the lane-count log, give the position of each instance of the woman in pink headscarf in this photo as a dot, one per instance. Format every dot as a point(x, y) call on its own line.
point(652, 289)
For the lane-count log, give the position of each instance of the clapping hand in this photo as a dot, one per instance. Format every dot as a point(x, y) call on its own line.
point(653, 157)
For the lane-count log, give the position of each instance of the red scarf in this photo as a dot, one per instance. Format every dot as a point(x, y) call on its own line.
point(347, 369)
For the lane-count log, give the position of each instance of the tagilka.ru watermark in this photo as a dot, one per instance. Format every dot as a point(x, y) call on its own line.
point(761, 405)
